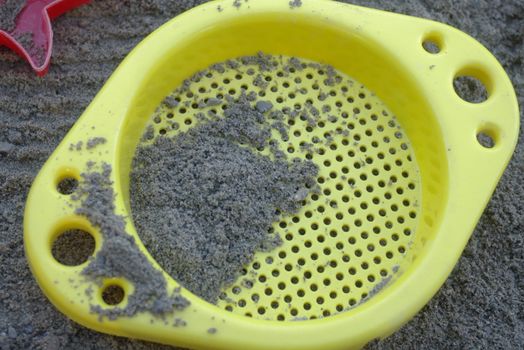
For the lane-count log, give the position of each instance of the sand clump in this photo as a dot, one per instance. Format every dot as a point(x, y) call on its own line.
point(119, 256)
point(204, 200)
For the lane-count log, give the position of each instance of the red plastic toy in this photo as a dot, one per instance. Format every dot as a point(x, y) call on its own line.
point(32, 37)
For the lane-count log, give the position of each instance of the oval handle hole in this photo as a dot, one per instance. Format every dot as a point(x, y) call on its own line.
point(470, 89)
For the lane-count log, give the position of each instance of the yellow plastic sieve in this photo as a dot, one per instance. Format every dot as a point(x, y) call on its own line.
point(401, 193)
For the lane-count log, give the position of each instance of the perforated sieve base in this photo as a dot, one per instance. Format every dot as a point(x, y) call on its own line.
point(348, 241)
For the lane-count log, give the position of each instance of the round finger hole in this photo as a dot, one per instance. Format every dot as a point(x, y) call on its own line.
point(431, 46)
point(67, 185)
point(432, 43)
point(73, 247)
point(113, 294)
point(485, 139)
point(470, 89)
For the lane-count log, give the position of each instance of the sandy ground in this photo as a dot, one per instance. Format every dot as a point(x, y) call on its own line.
point(481, 304)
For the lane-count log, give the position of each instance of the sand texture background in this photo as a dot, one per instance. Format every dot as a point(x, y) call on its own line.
point(479, 307)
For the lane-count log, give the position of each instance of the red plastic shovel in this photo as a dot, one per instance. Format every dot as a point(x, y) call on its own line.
point(32, 36)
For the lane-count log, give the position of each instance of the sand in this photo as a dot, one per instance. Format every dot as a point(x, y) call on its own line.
point(119, 255)
point(480, 305)
point(204, 200)
point(9, 9)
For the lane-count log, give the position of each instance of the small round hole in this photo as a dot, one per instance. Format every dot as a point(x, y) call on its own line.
point(485, 139)
point(431, 46)
point(113, 294)
point(73, 247)
point(67, 185)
